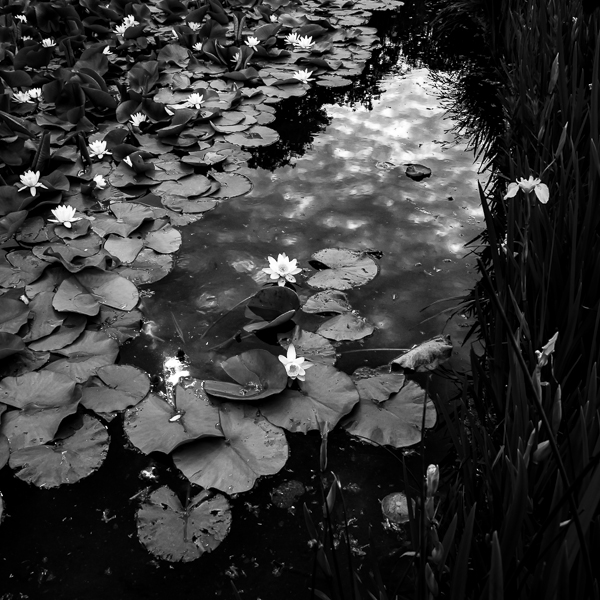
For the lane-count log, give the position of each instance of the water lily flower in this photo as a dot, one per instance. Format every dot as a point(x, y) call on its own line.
point(292, 38)
point(21, 97)
point(194, 26)
point(137, 119)
point(304, 43)
point(35, 94)
point(252, 42)
point(21, 18)
point(31, 180)
point(127, 161)
point(273, 18)
point(234, 57)
point(303, 76)
point(295, 366)
point(120, 29)
point(529, 185)
point(197, 47)
point(101, 183)
point(129, 21)
point(26, 38)
point(175, 34)
point(98, 148)
point(65, 215)
point(106, 51)
point(195, 100)
point(283, 269)
point(48, 43)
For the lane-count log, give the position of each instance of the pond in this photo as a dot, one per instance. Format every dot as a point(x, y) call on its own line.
point(336, 179)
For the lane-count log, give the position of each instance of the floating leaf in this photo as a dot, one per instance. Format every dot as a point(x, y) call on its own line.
point(4, 454)
point(115, 387)
point(312, 346)
point(92, 350)
point(426, 356)
point(417, 172)
point(179, 204)
point(345, 269)
point(10, 344)
point(258, 373)
point(43, 318)
point(395, 507)
point(273, 305)
point(155, 425)
point(326, 395)
point(395, 422)
point(346, 327)
point(117, 324)
point(377, 385)
point(148, 267)
point(252, 447)
point(77, 451)
point(329, 301)
point(257, 135)
point(13, 315)
point(125, 249)
point(176, 533)
point(165, 241)
point(232, 185)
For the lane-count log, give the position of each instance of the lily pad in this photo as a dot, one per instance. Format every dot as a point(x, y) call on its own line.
point(326, 395)
point(115, 387)
point(77, 451)
point(346, 327)
point(258, 373)
point(43, 319)
point(13, 315)
point(66, 334)
point(395, 422)
point(426, 356)
point(329, 301)
point(148, 267)
point(343, 269)
point(125, 249)
point(232, 185)
point(117, 324)
point(252, 447)
point(164, 241)
point(176, 533)
point(10, 344)
point(273, 306)
point(377, 385)
point(257, 135)
point(179, 204)
point(157, 426)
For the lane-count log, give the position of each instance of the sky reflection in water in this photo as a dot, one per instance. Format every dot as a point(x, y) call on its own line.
point(337, 195)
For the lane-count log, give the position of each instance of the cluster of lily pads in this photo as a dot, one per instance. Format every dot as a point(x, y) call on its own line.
point(101, 104)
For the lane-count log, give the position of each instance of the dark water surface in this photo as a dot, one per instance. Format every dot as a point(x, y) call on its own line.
point(80, 542)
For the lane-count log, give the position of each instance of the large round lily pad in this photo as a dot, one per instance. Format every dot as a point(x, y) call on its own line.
point(176, 533)
point(326, 395)
point(312, 346)
point(259, 374)
point(157, 426)
point(328, 301)
point(115, 387)
point(395, 422)
point(377, 384)
point(252, 447)
point(13, 314)
point(343, 269)
point(346, 327)
point(78, 450)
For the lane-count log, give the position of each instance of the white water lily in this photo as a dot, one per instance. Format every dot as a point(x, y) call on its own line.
point(274, 18)
point(31, 180)
point(106, 51)
point(295, 366)
point(21, 97)
point(35, 94)
point(195, 100)
point(21, 18)
point(194, 26)
point(292, 38)
point(304, 43)
point(129, 21)
point(137, 119)
point(303, 76)
point(65, 215)
point(197, 47)
point(527, 186)
point(234, 57)
point(175, 34)
point(26, 38)
point(283, 269)
point(120, 29)
point(101, 183)
point(252, 42)
point(127, 161)
point(98, 148)
point(48, 43)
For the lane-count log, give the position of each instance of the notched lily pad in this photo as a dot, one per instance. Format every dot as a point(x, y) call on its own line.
point(328, 301)
point(79, 449)
point(346, 327)
point(342, 269)
point(174, 532)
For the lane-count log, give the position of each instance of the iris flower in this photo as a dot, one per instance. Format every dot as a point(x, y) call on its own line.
point(529, 185)
point(31, 180)
point(65, 215)
point(295, 367)
point(283, 269)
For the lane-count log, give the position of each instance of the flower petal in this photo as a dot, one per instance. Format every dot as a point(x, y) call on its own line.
point(542, 192)
point(513, 188)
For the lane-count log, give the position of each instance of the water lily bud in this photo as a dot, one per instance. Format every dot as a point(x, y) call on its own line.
point(557, 410)
point(541, 452)
point(433, 479)
point(430, 579)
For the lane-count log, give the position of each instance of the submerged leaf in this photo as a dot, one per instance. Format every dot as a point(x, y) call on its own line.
point(426, 356)
point(176, 533)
